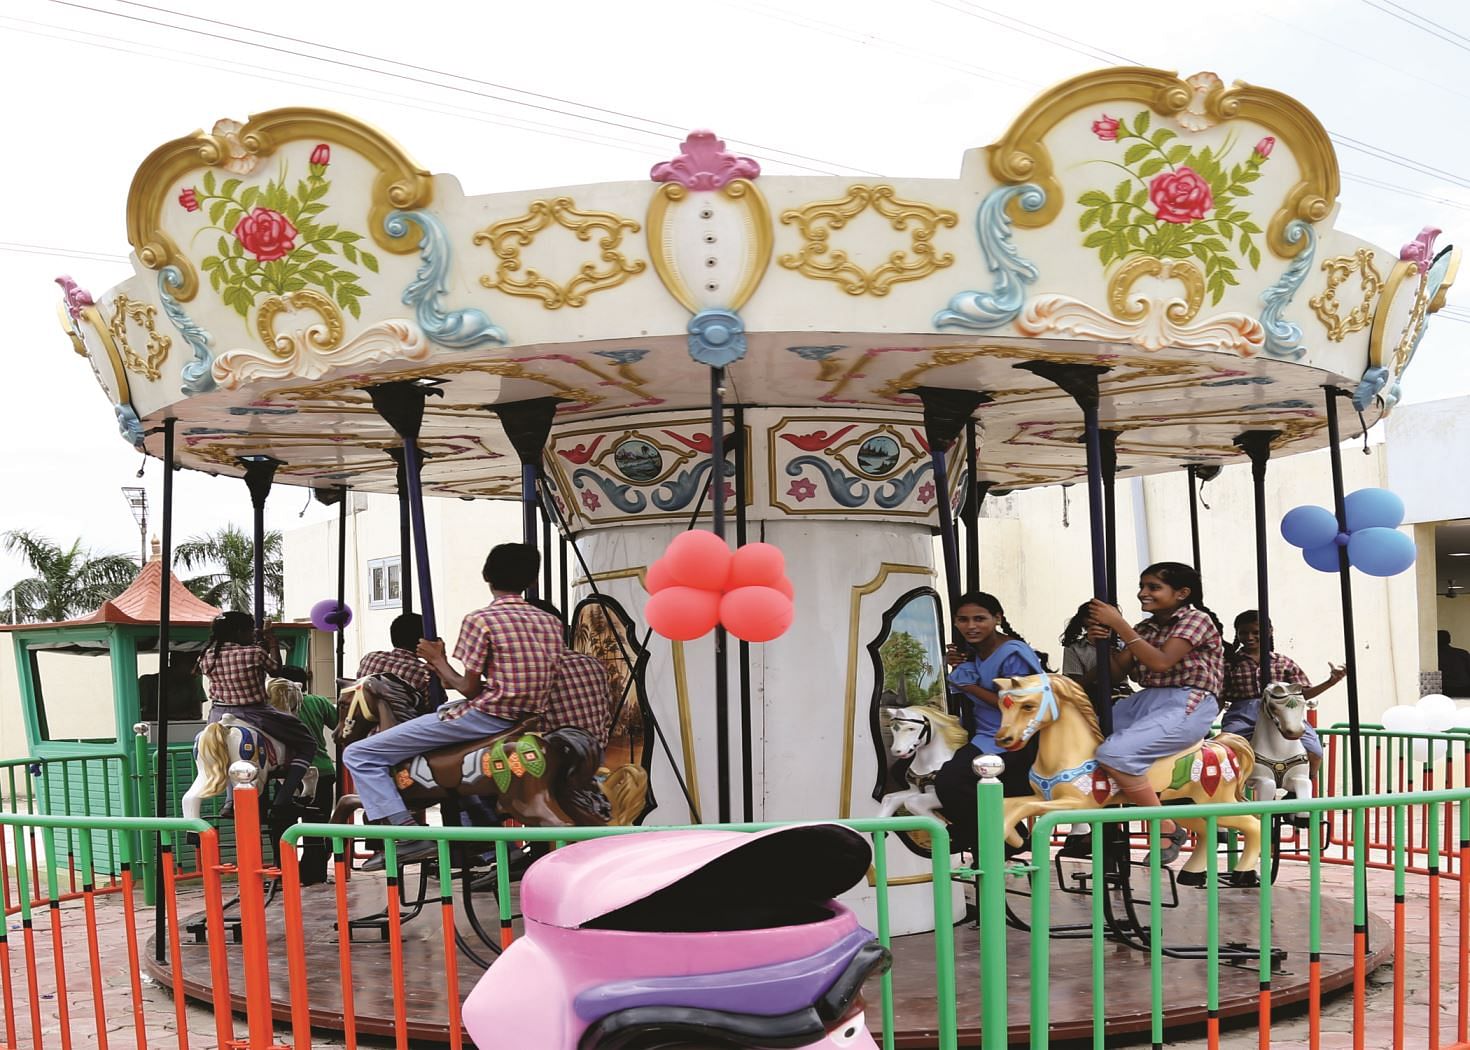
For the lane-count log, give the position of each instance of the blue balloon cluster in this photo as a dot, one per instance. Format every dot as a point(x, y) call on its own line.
point(1374, 544)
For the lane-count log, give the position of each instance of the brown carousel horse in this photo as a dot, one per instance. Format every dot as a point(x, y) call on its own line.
point(540, 779)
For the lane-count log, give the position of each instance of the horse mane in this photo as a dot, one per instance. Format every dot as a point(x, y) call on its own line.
point(1064, 689)
point(284, 694)
point(946, 725)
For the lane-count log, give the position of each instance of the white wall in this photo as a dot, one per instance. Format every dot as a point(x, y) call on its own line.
point(1428, 455)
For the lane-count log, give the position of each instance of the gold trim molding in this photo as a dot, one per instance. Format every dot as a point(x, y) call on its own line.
point(1326, 306)
point(507, 237)
point(140, 313)
point(819, 260)
point(757, 214)
point(401, 184)
point(1021, 155)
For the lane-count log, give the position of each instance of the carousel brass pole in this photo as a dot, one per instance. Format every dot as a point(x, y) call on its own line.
point(1257, 445)
point(1350, 647)
point(161, 854)
point(717, 508)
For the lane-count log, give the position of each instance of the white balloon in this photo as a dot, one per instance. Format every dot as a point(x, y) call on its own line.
point(1402, 718)
point(1422, 748)
point(1462, 719)
point(1438, 712)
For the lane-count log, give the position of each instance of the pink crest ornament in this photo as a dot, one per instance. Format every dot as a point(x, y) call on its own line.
point(704, 164)
point(1421, 249)
point(77, 297)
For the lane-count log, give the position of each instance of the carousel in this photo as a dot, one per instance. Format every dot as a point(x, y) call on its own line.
point(1144, 274)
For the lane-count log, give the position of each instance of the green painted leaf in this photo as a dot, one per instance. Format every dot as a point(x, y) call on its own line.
point(249, 197)
point(1214, 244)
point(224, 245)
point(232, 218)
point(1178, 154)
point(216, 278)
point(1106, 252)
point(1105, 215)
point(328, 232)
point(1228, 277)
point(1250, 176)
point(1140, 197)
point(293, 284)
point(318, 189)
point(216, 210)
point(1249, 227)
point(302, 190)
point(1255, 257)
point(325, 247)
point(292, 210)
point(353, 308)
point(1200, 252)
point(1151, 167)
point(1120, 191)
point(348, 235)
point(1161, 136)
point(1137, 152)
point(1096, 239)
point(1140, 123)
point(209, 182)
point(370, 261)
point(1092, 199)
point(1086, 219)
point(1245, 242)
point(350, 252)
point(229, 188)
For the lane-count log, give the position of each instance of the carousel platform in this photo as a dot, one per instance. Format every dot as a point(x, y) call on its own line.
point(1127, 969)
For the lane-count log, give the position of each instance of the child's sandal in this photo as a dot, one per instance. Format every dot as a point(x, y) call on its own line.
point(1170, 844)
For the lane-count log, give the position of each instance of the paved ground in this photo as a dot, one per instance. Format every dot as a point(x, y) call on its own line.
point(161, 1019)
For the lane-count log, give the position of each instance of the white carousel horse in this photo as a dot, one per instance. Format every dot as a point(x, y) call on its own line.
point(930, 737)
point(230, 740)
point(1281, 760)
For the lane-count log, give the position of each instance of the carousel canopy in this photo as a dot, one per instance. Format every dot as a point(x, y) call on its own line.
point(1179, 233)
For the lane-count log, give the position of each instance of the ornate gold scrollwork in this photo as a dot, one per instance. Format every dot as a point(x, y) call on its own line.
point(1326, 306)
point(819, 260)
point(318, 336)
point(140, 313)
point(1021, 156)
point(752, 202)
point(401, 184)
point(1180, 311)
point(507, 237)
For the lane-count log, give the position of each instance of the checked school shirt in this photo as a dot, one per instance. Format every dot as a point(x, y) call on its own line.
point(1243, 676)
point(237, 672)
point(1202, 668)
point(517, 648)
point(403, 665)
point(580, 696)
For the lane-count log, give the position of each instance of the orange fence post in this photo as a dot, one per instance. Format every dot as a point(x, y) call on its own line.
point(252, 907)
point(296, 947)
point(214, 926)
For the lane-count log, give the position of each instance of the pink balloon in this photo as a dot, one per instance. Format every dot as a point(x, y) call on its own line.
point(657, 577)
point(698, 559)
point(784, 586)
point(756, 614)
point(682, 613)
point(756, 565)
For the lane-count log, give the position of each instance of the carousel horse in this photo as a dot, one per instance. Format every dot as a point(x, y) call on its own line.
point(1281, 760)
point(539, 779)
point(929, 737)
point(1066, 776)
point(231, 740)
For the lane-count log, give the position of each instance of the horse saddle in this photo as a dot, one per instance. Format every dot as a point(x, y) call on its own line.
point(255, 746)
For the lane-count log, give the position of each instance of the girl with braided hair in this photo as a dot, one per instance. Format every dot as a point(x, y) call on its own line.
point(992, 649)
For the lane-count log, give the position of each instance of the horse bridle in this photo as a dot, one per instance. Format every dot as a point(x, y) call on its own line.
point(926, 732)
point(1048, 705)
point(1309, 704)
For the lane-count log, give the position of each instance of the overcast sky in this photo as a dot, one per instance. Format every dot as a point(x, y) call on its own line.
point(512, 95)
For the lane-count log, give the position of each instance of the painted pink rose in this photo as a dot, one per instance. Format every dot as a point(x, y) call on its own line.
point(1106, 128)
point(268, 235)
point(189, 199)
point(1180, 195)
point(321, 156)
point(1265, 146)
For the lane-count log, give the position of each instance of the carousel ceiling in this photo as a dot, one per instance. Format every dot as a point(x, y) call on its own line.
point(1177, 232)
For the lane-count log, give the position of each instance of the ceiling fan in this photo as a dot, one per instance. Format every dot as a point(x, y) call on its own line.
point(1451, 590)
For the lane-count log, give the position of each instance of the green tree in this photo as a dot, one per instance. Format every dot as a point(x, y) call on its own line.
point(905, 664)
point(228, 557)
point(68, 582)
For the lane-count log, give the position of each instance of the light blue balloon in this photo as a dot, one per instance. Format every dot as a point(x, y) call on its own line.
point(1323, 558)
point(1373, 509)
point(1308, 527)
point(1380, 551)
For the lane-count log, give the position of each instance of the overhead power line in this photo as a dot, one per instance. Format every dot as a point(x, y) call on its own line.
point(1419, 22)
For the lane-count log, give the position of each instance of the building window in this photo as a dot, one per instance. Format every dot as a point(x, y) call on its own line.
point(385, 583)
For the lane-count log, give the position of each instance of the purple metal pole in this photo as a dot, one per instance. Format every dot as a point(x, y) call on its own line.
point(420, 535)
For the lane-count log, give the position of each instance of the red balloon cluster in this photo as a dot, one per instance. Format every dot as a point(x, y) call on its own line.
point(699, 582)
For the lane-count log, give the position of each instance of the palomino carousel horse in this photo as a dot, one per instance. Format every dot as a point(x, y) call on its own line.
point(540, 779)
point(1281, 760)
point(930, 737)
point(1066, 776)
point(230, 740)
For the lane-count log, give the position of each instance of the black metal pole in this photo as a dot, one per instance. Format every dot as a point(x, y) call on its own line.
point(1257, 445)
point(717, 507)
point(342, 579)
point(1350, 646)
point(1081, 381)
point(260, 472)
point(562, 582)
point(946, 411)
point(1192, 473)
point(975, 494)
point(747, 730)
point(546, 590)
point(1108, 449)
point(527, 426)
point(405, 534)
point(162, 855)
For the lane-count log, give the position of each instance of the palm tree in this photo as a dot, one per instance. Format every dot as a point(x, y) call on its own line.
point(68, 582)
point(230, 555)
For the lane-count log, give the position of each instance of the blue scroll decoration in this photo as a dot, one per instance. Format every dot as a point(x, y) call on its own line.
point(622, 357)
point(1283, 337)
point(845, 489)
point(1240, 381)
point(895, 491)
point(716, 337)
point(1377, 378)
point(980, 311)
point(816, 353)
point(129, 425)
point(682, 488)
point(463, 329)
point(196, 375)
point(621, 496)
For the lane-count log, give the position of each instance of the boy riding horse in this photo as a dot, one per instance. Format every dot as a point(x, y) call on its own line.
point(510, 651)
